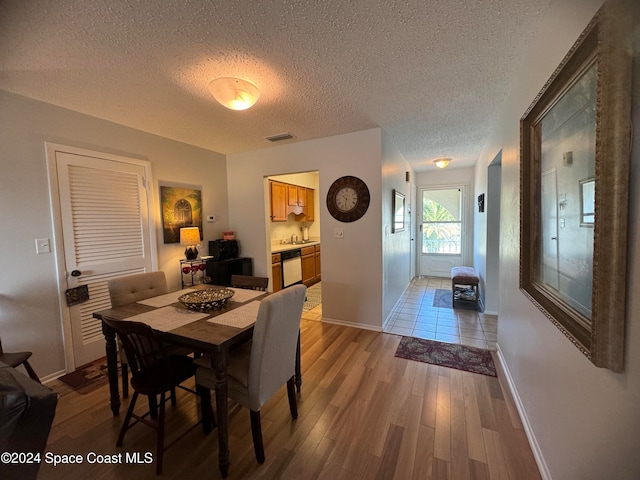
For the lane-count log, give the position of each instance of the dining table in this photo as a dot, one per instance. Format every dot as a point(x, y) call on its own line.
point(212, 332)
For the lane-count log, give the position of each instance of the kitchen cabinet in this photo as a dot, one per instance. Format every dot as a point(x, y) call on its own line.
point(311, 265)
point(276, 272)
point(308, 265)
point(317, 258)
point(309, 209)
point(278, 191)
point(287, 198)
point(296, 196)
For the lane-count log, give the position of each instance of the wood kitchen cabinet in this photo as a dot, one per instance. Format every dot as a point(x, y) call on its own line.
point(287, 198)
point(278, 195)
point(276, 272)
point(317, 257)
point(296, 196)
point(309, 209)
point(308, 265)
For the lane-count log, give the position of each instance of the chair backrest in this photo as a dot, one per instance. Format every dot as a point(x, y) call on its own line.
point(274, 343)
point(145, 352)
point(132, 288)
point(247, 281)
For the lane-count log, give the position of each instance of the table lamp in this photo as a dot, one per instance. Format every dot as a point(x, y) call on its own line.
point(190, 237)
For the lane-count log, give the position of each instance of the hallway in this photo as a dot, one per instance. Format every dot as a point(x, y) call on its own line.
point(416, 316)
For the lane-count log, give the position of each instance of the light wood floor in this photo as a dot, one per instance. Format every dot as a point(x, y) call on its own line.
point(363, 414)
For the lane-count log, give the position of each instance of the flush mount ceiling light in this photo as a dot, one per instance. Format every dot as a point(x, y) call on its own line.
point(442, 162)
point(234, 93)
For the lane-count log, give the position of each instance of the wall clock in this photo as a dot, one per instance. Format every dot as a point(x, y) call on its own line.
point(348, 199)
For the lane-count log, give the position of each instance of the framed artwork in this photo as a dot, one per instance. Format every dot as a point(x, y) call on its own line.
point(181, 207)
point(398, 211)
point(575, 150)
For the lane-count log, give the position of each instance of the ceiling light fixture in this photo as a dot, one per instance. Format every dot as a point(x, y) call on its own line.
point(442, 162)
point(234, 93)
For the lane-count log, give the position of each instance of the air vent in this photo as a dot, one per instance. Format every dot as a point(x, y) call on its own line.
point(279, 137)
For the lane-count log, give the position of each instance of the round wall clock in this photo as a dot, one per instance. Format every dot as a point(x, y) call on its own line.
point(348, 199)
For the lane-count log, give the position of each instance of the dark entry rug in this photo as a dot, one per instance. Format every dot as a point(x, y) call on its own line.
point(461, 357)
point(443, 298)
point(88, 377)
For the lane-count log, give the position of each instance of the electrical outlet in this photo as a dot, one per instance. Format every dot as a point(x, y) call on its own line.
point(338, 233)
point(211, 218)
point(43, 245)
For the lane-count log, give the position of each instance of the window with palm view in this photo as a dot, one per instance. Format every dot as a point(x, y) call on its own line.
point(442, 221)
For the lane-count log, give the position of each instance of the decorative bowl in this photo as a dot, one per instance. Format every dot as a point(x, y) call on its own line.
point(206, 299)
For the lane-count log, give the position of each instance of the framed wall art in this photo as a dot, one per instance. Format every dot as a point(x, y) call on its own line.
point(398, 212)
point(575, 149)
point(181, 207)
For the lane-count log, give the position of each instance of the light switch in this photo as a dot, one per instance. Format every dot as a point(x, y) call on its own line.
point(211, 218)
point(338, 233)
point(43, 245)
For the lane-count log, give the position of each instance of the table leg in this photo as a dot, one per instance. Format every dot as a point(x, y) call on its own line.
point(219, 362)
point(112, 367)
point(298, 378)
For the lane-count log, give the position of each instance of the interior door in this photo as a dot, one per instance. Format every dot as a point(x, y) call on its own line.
point(104, 231)
point(549, 229)
point(441, 231)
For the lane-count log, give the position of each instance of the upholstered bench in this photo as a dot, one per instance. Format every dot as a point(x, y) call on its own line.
point(464, 286)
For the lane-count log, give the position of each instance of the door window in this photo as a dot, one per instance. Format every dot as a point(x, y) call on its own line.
point(442, 222)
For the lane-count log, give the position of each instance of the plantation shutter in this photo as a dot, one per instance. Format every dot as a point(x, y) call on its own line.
point(106, 231)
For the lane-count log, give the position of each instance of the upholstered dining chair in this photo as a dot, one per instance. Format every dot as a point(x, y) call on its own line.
point(260, 367)
point(250, 282)
point(154, 372)
point(16, 359)
point(130, 289)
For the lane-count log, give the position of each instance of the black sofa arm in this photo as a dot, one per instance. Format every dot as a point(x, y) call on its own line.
point(27, 409)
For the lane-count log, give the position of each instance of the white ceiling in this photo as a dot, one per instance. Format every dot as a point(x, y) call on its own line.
point(432, 74)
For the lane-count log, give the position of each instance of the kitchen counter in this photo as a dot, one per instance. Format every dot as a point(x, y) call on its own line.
point(292, 246)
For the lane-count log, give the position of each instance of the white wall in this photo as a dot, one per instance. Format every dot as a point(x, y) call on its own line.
point(29, 303)
point(584, 421)
point(352, 266)
point(396, 254)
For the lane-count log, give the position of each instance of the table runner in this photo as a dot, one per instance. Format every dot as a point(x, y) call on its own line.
point(168, 318)
point(240, 317)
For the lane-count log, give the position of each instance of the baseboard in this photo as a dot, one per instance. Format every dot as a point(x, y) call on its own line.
point(533, 443)
point(51, 377)
point(351, 324)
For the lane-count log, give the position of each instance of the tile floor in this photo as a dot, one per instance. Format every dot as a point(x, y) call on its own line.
point(414, 315)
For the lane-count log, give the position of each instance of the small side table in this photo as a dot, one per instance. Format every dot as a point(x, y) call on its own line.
point(192, 272)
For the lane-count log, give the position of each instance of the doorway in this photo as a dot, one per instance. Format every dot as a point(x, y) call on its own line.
point(442, 231)
point(104, 228)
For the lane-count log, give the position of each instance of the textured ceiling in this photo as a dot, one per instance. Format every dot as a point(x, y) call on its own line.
point(432, 74)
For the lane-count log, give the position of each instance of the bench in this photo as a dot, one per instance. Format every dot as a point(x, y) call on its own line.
point(464, 286)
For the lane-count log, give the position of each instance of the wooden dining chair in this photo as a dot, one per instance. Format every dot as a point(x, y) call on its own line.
point(16, 359)
point(260, 367)
point(130, 289)
point(154, 372)
point(250, 282)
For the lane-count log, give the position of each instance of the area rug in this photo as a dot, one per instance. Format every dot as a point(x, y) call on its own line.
point(314, 297)
point(442, 298)
point(88, 377)
point(460, 357)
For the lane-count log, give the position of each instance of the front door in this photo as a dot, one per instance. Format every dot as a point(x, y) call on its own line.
point(441, 231)
point(103, 230)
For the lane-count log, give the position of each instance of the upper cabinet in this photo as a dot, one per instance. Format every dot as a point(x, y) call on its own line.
point(278, 195)
point(287, 198)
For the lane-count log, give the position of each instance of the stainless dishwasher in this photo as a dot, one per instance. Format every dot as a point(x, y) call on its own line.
point(291, 267)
